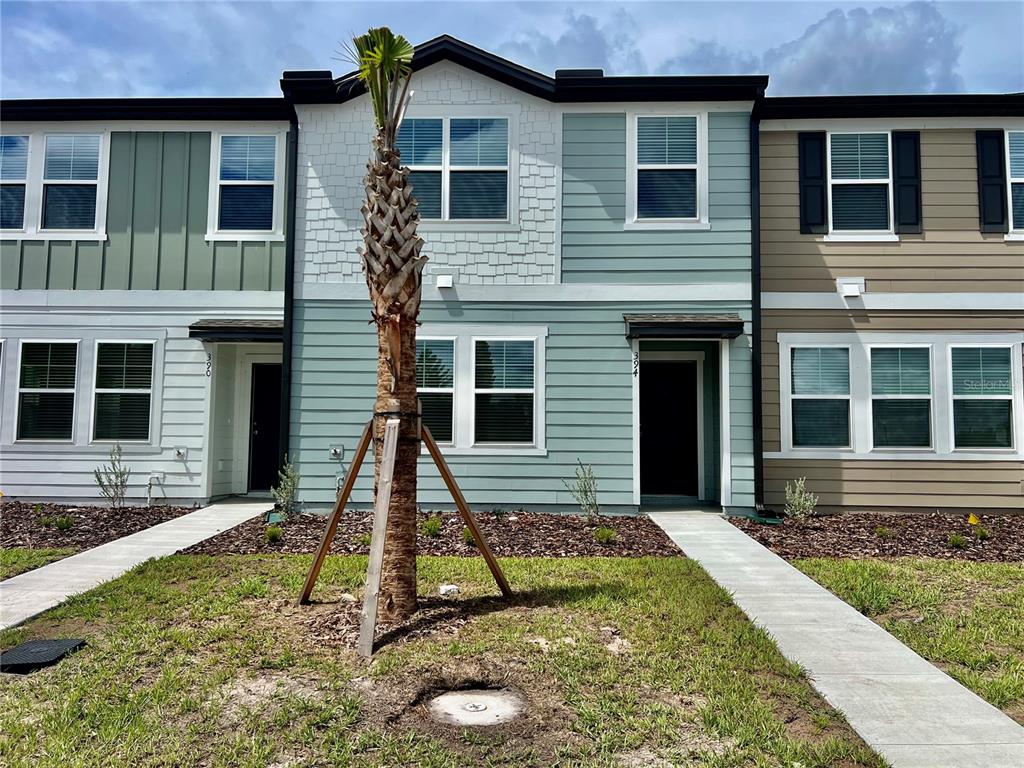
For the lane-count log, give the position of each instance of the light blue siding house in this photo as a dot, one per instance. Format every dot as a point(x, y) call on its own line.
point(588, 295)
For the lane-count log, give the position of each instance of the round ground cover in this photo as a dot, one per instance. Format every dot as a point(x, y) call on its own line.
point(520, 534)
point(994, 538)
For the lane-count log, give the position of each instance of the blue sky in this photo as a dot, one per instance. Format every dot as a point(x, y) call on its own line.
point(56, 49)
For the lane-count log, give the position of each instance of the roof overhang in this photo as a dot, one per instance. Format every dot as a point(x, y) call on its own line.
point(219, 109)
point(231, 330)
point(683, 326)
point(926, 105)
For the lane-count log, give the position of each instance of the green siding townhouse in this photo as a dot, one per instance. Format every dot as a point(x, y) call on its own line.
point(142, 277)
point(588, 295)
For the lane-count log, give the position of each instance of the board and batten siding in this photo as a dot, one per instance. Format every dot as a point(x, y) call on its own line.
point(950, 254)
point(157, 214)
point(588, 397)
point(867, 483)
point(596, 248)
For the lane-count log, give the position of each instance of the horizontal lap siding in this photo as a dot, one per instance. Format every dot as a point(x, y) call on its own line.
point(157, 213)
point(588, 401)
point(950, 255)
point(596, 248)
point(863, 482)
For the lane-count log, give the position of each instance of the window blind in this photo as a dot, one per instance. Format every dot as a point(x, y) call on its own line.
point(1016, 141)
point(13, 168)
point(46, 398)
point(666, 193)
point(819, 418)
point(426, 187)
point(666, 140)
point(420, 141)
point(12, 206)
point(900, 371)
point(899, 421)
point(247, 158)
point(857, 157)
point(982, 397)
point(69, 206)
point(981, 371)
point(504, 416)
point(860, 156)
point(124, 377)
point(246, 208)
point(478, 195)
point(70, 158)
point(479, 142)
point(435, 360)
point(821, 371)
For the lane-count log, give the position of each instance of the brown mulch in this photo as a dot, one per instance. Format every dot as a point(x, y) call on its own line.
point(892, 535)
point(24, 524)
point(519, 534)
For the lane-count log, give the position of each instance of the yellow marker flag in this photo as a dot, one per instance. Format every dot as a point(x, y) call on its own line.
point(973, 519)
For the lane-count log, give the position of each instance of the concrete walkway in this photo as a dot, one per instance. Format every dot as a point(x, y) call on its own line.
point(29, 594)
point(908, 710)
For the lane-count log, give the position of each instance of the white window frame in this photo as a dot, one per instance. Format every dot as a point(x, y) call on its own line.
point(445, 390)
point(23, 181)
point(633, 167)
point(96, 390)
point(446, 168)
point(65, 390)
point(860, 235)
point(1016, 227)
point(464, 400)
point(941, 345)
point(32, 222)
point(276, 232)
point(871, 347)
point(1013, 397)
point(848, 396)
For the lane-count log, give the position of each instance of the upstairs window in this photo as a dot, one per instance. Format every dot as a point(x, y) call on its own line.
point(860, 183)
point(901, 397)
point(70, 182)
point(982, 397)
point(666, 168)
point(821, 397)
point(459, 167)
point(13, 181)
point(124, 387)
point(246, 183)
point(46, 390)
point(435, 383)
point(1015, 145)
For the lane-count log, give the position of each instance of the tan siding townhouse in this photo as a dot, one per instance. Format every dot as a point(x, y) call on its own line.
point(892, 295)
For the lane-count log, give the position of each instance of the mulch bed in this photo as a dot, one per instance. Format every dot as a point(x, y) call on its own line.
point(35, 526)
point(520, 534)
point(888, 535)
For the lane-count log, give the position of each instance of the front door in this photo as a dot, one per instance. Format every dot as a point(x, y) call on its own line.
point(264, 426)
point(668, 428)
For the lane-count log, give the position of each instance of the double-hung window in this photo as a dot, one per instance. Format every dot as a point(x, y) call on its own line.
point(246, 183)
point(666, 186)
point(1015, 147)
point(901, 397)
point(821, 397)
point(13, 181)
point(71, 167)
point(435, 383)
point(982, 390)
point(503, 391)
point(459, 166)
point(124, 388)
point(46, 390)
point(860, 183)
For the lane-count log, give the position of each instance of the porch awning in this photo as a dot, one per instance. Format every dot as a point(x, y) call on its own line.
point(225, 329)
point(683, 326)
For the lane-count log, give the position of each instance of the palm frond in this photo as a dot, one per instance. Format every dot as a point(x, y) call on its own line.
point(383, 62)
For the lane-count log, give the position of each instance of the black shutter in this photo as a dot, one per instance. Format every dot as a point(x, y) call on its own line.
point(906, 181)
point(813, 178)
point(992, 182)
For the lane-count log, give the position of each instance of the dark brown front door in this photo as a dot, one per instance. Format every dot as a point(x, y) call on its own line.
point(264, 426)
point(668, 428)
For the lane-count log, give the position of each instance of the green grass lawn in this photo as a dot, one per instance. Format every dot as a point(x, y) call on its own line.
point(965, 617)
point(14, 561)
point(208, 661)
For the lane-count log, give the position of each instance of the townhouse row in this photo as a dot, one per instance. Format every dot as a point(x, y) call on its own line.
point(699, 291)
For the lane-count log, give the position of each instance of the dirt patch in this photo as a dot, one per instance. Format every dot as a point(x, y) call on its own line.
point(258, 694)
point(522, 534)
point(893, 535)
point(77, 527)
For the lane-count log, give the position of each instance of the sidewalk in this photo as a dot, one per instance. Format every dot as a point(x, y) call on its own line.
point(29, 594)
point(906, 709)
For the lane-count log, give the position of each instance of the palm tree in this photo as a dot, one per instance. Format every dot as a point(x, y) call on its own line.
point(393, 267)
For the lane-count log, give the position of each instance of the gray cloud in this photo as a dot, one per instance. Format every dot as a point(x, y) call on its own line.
point(704, 57)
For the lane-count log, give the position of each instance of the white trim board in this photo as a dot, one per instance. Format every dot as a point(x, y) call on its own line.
point(260, 303)
point(880, 301)
point(890, 123)
point(697, 292)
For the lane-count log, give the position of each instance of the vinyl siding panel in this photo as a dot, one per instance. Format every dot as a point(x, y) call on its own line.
point(950, 255)
point(157, 210)
point(596, 247)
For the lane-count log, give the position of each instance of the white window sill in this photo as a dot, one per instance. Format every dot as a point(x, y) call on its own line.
point(497, 450)
point(668, 224)
point(838, 238)
point(84, 237)
point(1016, 237)
point(249, 237)
point(894, 455)
point(434, 225)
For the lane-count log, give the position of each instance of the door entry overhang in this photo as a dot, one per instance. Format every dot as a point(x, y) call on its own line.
point(683, 326)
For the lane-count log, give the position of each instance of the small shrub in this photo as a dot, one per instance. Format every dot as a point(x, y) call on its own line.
point(61, 522)
point(499, 512)
point(251, 586)
point(981, 533)
point(431, 527)
point(884, 533)
point(957, 541)
point(364, 539)
point(605, 536)
point(38, 509)
point(113, 479)
point(800, 502)
point(584, 489)
point(467, 537)
point(286, 488)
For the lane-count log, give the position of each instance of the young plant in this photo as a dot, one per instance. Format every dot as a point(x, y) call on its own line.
point(364, 539)
point(605, 536)
point(467, 537)
point(800, 503)
point(274, 533)
point(431, 527)
point(287, 487)
point(957, 541)
point(584, 489)
point(981, 533)
point(113, 479)
point(61, 523)
point(884, 533)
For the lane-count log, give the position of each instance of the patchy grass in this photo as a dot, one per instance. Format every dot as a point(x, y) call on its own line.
point(197, 660)
point(965, 617)
point(17, 560)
